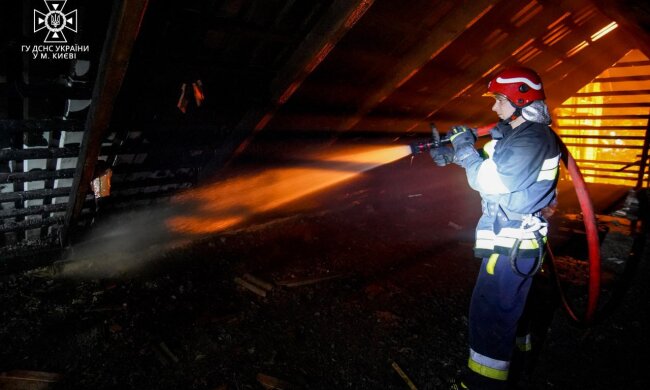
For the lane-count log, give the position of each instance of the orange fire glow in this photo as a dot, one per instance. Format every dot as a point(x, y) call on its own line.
point(226, 204)
point(604, 138)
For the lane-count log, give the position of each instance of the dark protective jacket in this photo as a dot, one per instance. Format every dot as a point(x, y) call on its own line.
point(516, 180)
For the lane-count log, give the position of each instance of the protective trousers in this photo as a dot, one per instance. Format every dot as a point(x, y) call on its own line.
point(497, 304)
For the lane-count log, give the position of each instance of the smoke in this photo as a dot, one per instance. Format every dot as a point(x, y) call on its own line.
point(127, 242)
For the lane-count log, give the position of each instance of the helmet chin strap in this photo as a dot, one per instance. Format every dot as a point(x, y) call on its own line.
point(515, 114)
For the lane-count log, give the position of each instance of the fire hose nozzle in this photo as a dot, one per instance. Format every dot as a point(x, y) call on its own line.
point(421, 147)
point(438, 140)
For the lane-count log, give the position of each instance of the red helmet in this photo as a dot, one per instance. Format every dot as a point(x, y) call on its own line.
point(521, 86)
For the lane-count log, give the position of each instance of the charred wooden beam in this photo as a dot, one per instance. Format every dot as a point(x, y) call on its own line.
point(27, 224)
point(36, 153)
point(315, 47)
point(73, 151)
point(124, 27)
point(19, 177)
point(34, 194)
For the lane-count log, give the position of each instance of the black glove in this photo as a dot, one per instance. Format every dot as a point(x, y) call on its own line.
point(443, 155)
point(462, 138)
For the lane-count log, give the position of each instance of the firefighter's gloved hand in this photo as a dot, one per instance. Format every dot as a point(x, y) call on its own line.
point(443, 155)
point(461, 134)
point(462, 138)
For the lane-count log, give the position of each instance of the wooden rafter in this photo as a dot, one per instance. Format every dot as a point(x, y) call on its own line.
point(451, 26)
point(341, 16)
point(123, 30)
point(631, 16)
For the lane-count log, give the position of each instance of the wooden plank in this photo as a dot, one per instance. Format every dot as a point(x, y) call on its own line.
point(257, 281)
point(607, 105)
point(30, 224)
point(250, 286)
point(609, 177)
point(38, 153)
point(605, 146)
point(34, 194)
point(597, 169)
point(644, 158)
point(73, 151)
point(604, 117)
point(613, 93)
point(611, 137)
point(28, 380)
point(19, 177)
point(403, 375)
point(124, 27)
point(631, 63)
point(620, 79)
point(33, 210)
point(602, 162)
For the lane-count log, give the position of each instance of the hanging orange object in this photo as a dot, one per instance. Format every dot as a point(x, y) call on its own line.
point(199, 97)
point(182, 100)
point(101, 185)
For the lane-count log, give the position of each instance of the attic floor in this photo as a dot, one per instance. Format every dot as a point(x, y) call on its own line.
point(375, 272)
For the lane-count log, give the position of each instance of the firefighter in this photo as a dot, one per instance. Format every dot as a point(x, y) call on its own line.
point(516, 175)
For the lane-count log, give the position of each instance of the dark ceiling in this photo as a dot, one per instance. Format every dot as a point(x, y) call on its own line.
point(271, 69)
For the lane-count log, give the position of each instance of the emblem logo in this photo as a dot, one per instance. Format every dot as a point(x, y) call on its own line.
point(55, 21)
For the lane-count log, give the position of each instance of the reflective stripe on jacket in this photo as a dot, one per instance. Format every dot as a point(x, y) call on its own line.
point(518, 178)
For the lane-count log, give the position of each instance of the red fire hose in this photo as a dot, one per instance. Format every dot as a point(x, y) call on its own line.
point(589, 219)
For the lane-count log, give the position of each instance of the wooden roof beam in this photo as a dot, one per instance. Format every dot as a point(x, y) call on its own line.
point(341, 16)
point(450, 27)
point(633, 17)
point(123, 30)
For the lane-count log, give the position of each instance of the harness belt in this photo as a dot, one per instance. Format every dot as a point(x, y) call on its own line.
point(529, 237)
point(529, 224)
